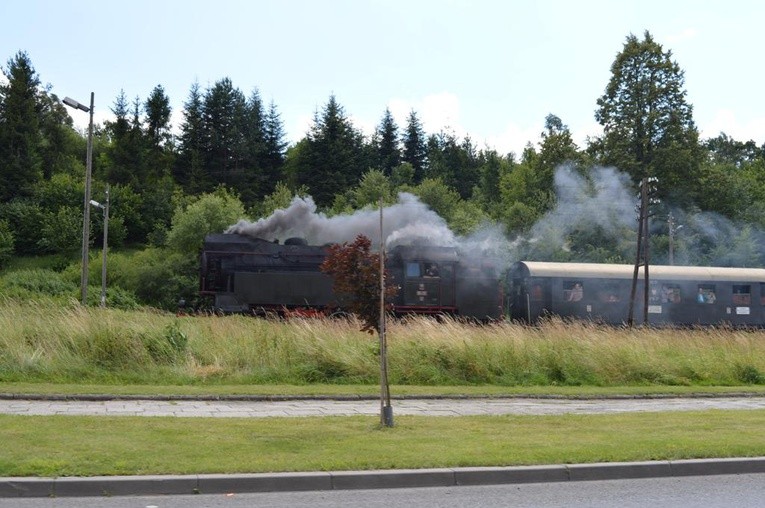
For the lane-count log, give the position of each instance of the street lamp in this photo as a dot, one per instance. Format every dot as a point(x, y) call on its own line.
point(673, 228)
point(86, 213)
point(105, 208)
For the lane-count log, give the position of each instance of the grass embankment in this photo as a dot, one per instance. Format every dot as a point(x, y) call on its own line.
point(70, 349)
point(72, 345)
point(86, 446)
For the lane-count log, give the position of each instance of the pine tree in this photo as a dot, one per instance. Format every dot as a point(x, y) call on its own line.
point(415, 147)
point(158, 137)
point(158, 112)
point(189, 170)
point(275, 150)
point(254, 128)
point(224, 121)
point(20, 139)
point(386, 144)
point(332, 160)
point(118, 168)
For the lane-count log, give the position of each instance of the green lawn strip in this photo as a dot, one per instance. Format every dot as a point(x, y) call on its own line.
point(91, 445)
point(368, 390)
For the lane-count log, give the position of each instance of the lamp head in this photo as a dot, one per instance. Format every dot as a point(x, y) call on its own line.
point(76, 105)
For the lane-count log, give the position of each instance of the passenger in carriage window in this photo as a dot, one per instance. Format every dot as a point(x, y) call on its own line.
point(576, 293)
point(700, 297)
point(431, 270)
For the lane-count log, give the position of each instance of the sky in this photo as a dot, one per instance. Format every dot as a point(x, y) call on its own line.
point(491, 70)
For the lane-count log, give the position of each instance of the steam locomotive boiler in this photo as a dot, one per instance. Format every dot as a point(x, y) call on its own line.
point(243, 274)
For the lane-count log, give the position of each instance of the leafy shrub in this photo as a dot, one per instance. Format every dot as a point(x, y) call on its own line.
point(114, 351)
point(211, 213)
point(167, 347)
point(42, 281)
point(6, 243)
point(156, 276)
point(749, 374)
point(61, 231)
point(24, 218)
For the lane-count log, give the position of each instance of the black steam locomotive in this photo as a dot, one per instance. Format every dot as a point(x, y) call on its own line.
point(243, 274)
point(677, 295)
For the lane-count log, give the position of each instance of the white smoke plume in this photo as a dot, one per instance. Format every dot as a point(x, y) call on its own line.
point(407, 222)
point(602, 198)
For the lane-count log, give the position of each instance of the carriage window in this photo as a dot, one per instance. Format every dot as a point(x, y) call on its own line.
point(413, 269)
point(610, 293)
point(706, 294)
point(536, 292)
point(670, 293)
point(762, 293)
point(572, 291)
point(742, 294)
point(431, 270)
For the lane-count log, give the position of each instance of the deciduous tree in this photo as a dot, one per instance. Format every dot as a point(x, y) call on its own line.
point(356, 273)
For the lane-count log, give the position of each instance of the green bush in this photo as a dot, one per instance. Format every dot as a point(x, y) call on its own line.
point(154, 276)
point(39, 281)
point(168, 346)
point(211, 213)
point(25, 219)
point(6, 243)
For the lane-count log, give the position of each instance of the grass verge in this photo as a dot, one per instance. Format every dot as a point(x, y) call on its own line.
point(214, 390)
point(87, 446)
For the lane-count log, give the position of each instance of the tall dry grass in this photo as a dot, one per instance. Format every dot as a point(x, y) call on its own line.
point(40, 341)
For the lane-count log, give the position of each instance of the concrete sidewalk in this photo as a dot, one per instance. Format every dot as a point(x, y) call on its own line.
point(330, 407)
point(339, 480)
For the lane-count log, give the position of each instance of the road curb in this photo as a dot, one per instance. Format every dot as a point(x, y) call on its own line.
point(344, 480)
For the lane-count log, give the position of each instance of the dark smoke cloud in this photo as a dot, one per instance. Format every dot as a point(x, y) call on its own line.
point(406, 222)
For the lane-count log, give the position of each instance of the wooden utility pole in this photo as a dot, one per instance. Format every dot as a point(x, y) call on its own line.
point(386, 411)
point(642, 257)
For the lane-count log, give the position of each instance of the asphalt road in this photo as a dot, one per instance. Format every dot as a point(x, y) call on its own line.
point(740, 491)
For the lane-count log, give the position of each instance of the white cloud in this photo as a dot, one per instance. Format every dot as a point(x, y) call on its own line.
point(299, 128)
point(682, 36)
point(725, 120)
point(436, 112)
point(514, 138)
point(80, 119)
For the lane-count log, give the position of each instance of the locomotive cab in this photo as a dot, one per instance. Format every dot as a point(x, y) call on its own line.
point(426, 279)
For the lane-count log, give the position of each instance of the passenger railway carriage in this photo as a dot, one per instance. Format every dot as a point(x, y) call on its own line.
point(678, 295)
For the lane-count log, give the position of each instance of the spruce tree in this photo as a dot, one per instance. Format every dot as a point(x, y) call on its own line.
point(20, 139)
point(189, 170)
point(224, 143)
point(275, 150)
point(333, 158)
point(415, 147)
point(386, 144)
point(158, 137)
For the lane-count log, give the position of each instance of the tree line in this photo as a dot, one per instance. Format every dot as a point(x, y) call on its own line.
point(232, 144)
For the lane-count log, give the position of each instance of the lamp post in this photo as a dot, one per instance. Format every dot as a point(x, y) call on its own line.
point(86, 212)
point(105, 208)
point(672, 230)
